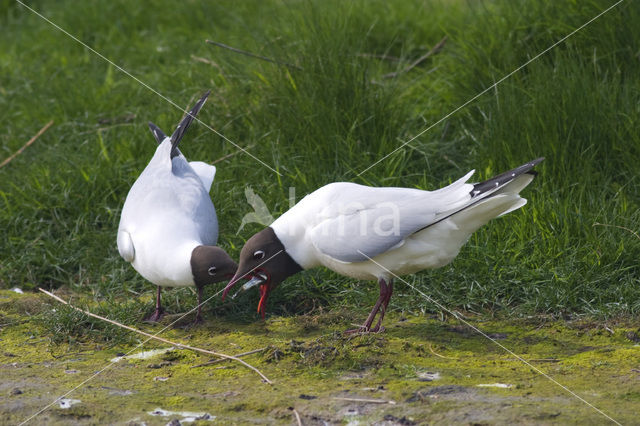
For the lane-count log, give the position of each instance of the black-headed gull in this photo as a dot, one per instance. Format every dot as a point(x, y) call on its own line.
point(168, 227)
point(376, 233)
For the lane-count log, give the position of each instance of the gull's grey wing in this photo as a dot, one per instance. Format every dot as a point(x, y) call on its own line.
point(375, 220)
point(343, 238)
point(206, 173)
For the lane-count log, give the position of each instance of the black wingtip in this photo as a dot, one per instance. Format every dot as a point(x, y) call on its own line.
point(506, 177)
point(186, 122)
point(531, 165)
point(157, 133)
point(536, 161)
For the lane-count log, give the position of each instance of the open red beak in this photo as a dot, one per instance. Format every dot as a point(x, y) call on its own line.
point(257, 277)
point(237, 277)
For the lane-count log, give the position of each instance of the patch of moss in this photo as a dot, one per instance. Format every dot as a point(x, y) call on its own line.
point(323, 374)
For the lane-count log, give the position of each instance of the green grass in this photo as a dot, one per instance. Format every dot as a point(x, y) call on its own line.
point(578, 106)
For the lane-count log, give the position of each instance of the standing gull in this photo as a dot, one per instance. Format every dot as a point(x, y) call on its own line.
point(168, 227)
point(376, 233)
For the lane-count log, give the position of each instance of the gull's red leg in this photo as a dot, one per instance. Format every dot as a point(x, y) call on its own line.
point(383, 307)
point(384, 289)
point(159, 312)
point(198, 319)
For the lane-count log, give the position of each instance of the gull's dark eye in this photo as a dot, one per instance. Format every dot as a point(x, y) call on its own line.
point(258, 255)
point(212, 270)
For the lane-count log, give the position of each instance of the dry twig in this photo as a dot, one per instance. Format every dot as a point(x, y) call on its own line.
point(618, 226)
point(367, 401)
point(253, 55)
point(208, 62)
point(437, 354)
point(383, 57)
point(298, 420)
point(29, 142)
point(435, 49)
point(151, 336)
point(215, 361)
point(224, 157)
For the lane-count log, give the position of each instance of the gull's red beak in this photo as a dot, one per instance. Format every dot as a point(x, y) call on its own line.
point(237, 277)
point(256, 277)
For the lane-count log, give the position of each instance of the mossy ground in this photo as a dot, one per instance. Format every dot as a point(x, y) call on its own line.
point(316, 370)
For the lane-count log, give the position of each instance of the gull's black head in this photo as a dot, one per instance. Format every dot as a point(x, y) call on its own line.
point(211, 264)
point(265, 262)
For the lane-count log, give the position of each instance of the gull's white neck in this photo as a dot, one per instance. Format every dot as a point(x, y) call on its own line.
point(291, 230)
